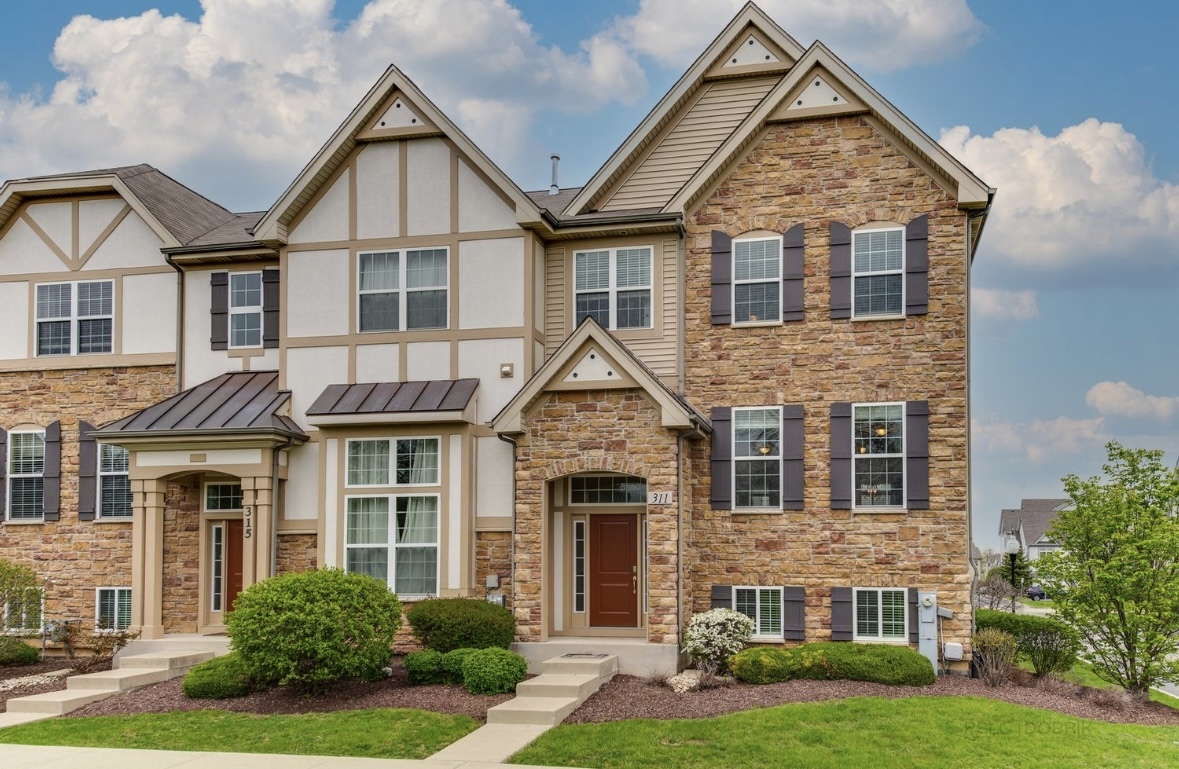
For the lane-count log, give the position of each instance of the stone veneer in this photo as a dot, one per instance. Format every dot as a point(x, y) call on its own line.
point(814, 172)
point(493, 555)
point(296, 552)
point(181, 559)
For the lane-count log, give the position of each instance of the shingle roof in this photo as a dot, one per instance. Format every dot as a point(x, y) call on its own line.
point(1008, 521)
point(555, 204)
point(1037, 516)
point(394, 397)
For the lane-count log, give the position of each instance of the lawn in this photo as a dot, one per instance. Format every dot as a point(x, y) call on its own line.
point(1082, 674)
point(378, 733)
point(913, 732)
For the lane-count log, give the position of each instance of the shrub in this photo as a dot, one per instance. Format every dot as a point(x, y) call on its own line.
point(452, 664)
point(310, 628)
point(425, 667)
point(218, 679)
point(714, 636)
point(763, 665)
point(14, 651)
point(879, 663)
point(1048, 644)
point(446, 624)
point(994, 651)
point(493, 671)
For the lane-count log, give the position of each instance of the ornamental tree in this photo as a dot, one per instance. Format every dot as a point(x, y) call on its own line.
point(1116, 577)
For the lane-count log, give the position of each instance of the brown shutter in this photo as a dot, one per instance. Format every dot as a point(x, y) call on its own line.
point(917, 266)
point(792, 268)
point(270, 308)
point(219, 311)
point(722, 278)
point(722, 458)
point(841, 271)
point(841, 456)
point(87, 472)
point(794, 613)
point(722, 597)
point(3, 474)
point(917, 455)
point(914, 635)
point(793, 437)
point(52, 475)
point(842, 614)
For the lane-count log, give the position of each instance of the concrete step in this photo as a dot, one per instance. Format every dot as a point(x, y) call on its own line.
point(56, 703)
point(114, 681)
point(545, 711)
point(582, 664)
point(217, 644)
point(163, 660)
point(580, 686)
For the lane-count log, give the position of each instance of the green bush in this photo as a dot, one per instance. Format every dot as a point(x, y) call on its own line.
point(218, 679)
point(425, 667)
point(994, 651)
point(493, 671)
point(452, 664)
point(308, 629)
point(879, 663)
point(14, 651)
point(1048, 644)
point(446, 624)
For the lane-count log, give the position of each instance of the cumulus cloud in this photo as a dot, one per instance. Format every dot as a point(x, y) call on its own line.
point(1121, 399)
point(1039, 439)
point(996, 304)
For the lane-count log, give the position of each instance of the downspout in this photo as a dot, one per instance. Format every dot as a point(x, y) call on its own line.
point(274, 455)
point(679, 544)
point(512, 539)
point(179, 322)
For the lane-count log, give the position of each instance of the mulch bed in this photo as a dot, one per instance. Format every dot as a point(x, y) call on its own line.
point(51, 664)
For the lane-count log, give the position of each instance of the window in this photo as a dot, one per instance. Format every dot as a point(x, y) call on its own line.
point(878, 264)
point(613, 286)
point(404, 289)
point(579, 566)
point(75, 318)
point(26, 482)
point(393, 462)
point(394, 539)
point(764, 606)
point(880, 614)
point(245, 309)
point(607, 490)
point(217, 559)
point(114, 485)
point(757, 280)
point(113, 608)
point(23, 612)
point(757, 457)
point(879, 455)
point(223, 497)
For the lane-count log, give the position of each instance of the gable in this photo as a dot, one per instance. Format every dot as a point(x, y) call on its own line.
point(397, 117)
point(753, 51)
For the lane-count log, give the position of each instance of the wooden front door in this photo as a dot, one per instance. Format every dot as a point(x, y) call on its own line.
point(233, 562)
point(614, 570)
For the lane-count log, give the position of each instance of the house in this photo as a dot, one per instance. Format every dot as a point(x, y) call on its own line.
point(1030, 524)
point(729, 370)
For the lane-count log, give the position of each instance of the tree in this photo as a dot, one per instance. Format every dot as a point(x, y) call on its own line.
point(1116, 577)
point(1023, 571)
point(994, 592)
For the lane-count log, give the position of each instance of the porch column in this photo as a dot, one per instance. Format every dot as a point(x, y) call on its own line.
point(147, 557)
point(261, 523)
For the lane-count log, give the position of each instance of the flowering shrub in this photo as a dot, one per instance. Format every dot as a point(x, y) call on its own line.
point(714, 636)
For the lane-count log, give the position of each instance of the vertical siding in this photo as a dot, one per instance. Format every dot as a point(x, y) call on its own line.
point(554, 301)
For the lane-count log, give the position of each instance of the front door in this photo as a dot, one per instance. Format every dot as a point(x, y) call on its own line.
point(614, 570)
point(233, 562)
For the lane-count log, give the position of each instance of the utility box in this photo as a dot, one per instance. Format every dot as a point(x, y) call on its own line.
point(927, 627)
point(952, 651)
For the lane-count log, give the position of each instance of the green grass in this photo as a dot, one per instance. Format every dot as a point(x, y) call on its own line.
point(912, 732)
point(379, 733)
point(1045, 604)
point(1082, 674)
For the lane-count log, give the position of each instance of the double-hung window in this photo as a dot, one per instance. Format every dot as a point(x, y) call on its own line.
point(764, 606)
point(22, 613)
point(245, 309)
point(613, 286)
point(757, 457)
point(878, 272)
point(404, 290)
point(880, 614)
point(112, 608)
point(75, 318)
point(26, 471)
point(114, 484)
point(879, 454)
point(757, 280)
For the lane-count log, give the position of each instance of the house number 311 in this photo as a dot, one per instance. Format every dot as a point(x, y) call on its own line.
point(659, 498)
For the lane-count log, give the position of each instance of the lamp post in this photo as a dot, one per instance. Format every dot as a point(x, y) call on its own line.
point(1011, 545)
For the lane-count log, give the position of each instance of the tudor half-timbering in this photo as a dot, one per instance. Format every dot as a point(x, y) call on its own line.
point(728, 371)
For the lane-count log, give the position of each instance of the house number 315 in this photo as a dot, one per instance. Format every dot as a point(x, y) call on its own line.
point(248, 529)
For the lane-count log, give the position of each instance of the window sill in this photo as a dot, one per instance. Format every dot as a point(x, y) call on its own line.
point(114, 519)
point(767, 639)
point(865, 318)
point(37, 522)
point(756, 510)
point(882, 641)
point(880, 510)
point(758, 324)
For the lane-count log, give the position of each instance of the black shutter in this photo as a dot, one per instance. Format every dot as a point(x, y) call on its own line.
point(270, 302)
point(87, 472)
point(722, 458)
point(842, 614)
point(793, 436)
point(914, 636)
point(794, 613)
point(52, 475)
point(917, 266)
point(841, 456)
point(792, 268)
point(722, 597)
point(3, 473)
point(722, 278)
point(841, 271)
point(219, 311)
point(917, 455)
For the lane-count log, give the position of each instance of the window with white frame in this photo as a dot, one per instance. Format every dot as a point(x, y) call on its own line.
point(879, 454)
point(112, 608)
point(223, 497)
point(26, 471)
point(23, 612)
point(394, 538)
point(404, 290)
point(881, 614)
point(393, 462)
point(757, 457)
point(607, 490)
point(764, 606)
point(75, 318)
point(878, 272)
point(757, 280)
point(114, 483)
point(245, 309)
point(613, 286)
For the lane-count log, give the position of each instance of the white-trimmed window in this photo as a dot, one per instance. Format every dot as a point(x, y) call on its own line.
point(757, 457)
point(114, 483)
point(26, 476)
point(393, 462)
point(764, 606)
point(881, 614)
point(23, 613)
point(223, 497)
point(878, 272)
point(217, 564)
point(245, 309)
point(607, 490)
point(112, 608)
point(613, 286)
point(757, 280)
point(580, 565)
point(394, 538)
point(75, 318)
point(404, 290)
point(878, 454)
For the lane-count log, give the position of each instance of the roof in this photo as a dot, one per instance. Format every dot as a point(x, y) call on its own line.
point(395, 397)
point(1008, 521)
point(1037, 515)
point(235, 403)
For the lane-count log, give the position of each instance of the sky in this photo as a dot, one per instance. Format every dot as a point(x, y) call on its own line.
point(1068, 108)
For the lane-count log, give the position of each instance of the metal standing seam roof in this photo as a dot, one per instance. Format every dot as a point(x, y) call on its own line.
point(395, 397)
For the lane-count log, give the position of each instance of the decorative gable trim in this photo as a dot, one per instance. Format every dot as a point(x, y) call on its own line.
point(819, 93)
point(397, 118)
point(753, 52)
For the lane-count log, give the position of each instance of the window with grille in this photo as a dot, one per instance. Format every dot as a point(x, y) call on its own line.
point(878, 454)
point(245, 309)
point(223, 497)
point(880, 614)
point(113, 611)
point(26, 471)
point(607, 490)
point(404, 290)
point(764, 606)
point(613, 286)
point(757, 280)
point(757, 457)
point(878, 272)
point(75, 318)
point(114, 484)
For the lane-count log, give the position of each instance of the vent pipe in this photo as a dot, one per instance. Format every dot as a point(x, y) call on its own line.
point(553, 188)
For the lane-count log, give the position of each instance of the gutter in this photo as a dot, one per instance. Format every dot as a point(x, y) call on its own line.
point(206, 434)
point(274, 455)
point(512, 540)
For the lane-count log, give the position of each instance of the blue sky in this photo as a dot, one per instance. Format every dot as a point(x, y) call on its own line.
point(1068, 108)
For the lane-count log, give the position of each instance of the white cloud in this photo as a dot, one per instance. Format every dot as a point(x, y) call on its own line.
point(1120, 399)
point(1039, 439)
point(995, 304)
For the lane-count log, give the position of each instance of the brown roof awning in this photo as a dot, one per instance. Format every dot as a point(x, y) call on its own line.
point(423, 401)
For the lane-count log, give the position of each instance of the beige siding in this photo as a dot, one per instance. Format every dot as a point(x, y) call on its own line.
point(690, 142)
point(554, 301)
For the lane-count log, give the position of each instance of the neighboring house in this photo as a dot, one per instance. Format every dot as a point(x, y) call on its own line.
point(731, 370)
point(1030, 524)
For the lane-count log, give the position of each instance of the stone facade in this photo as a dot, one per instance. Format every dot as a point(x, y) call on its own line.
point(493, 555)
point(182, 525)
point(296, 552)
